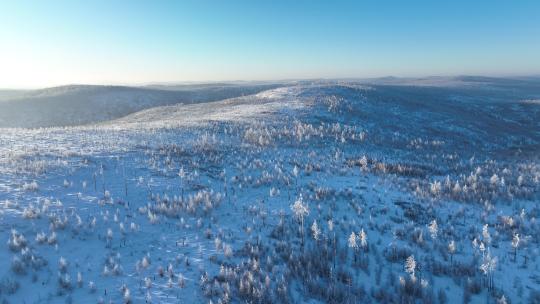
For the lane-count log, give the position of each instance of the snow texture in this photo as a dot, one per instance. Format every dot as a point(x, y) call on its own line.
point(317, 191)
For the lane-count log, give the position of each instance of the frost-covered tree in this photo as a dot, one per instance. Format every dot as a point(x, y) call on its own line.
point(41, 238)
point(295, 172)
point(79, 279)
point(494, 180)
point(363, 238)
point(52, 239)
point(315, 231)
point(522, 214)
point(109, 236)
point(300, 211)
point(145, 262)
point(352, 241)
point(127, 296)
point(182, 175)
point(17, 241)
point(433, 229)
point(520, 180)
point(515, 244)
point(435, 187)
point(181, 281)
point(334, 245)
point(363, 163)
point(457, 188)
point(452, 250)
point(485, 234)
point(62, 265)
point(410, 267)
point(92, 286)
point(475, 245)
point(482, 248)
point(489, 265)
point(330, 225)
point(353, 244)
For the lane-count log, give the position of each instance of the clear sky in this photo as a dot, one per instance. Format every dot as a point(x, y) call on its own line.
point(46, 43)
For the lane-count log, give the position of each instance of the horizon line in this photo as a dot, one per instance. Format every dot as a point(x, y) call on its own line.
point(277, 80)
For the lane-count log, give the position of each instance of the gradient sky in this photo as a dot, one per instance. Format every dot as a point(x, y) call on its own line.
point(46, 43)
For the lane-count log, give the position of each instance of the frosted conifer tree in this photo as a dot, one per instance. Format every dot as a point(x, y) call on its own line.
point(435, 187)
point(352, 241)
point(489, 265)
point(410, 267)
point(482, 248)
point(315, 230)
point(295, 171)
point(452, 249)
point(79, 279)
point(300, 210)
point(494, 179)
point(330, 225)
point(182, 175)
point(520, 180)
point(515, 244)
point(485, 234)
point(433, 229)
point(363, 162)
point(363, 238)
point(353, 244)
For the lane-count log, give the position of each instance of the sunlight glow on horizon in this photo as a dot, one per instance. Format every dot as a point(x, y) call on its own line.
point(135, 42)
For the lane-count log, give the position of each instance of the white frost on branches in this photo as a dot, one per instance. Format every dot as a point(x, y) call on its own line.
point(299, 208)
point(410, 267)
point(315, 230)
point(363, 238)
point(352, 241)
point(433, 229)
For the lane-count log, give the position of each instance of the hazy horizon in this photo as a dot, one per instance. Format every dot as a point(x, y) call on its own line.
point(255, 81)
point(48, 44)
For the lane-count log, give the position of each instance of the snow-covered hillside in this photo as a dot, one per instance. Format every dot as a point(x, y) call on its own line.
point(236, 109)
point(321, 192)
point(83, 104)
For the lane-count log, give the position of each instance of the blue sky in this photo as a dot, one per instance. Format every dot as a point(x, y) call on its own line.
point(45, 43)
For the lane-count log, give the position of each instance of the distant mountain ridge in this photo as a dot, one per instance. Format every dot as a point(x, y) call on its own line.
point(72, 105)
point(85, 104)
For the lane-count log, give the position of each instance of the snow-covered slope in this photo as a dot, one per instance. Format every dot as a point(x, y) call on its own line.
point(83, 104)
point(322, 192)
point(10, 94)
point(234, 109)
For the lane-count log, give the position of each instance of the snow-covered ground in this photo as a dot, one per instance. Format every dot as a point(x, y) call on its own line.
point(85, 104)
point(339, 192)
